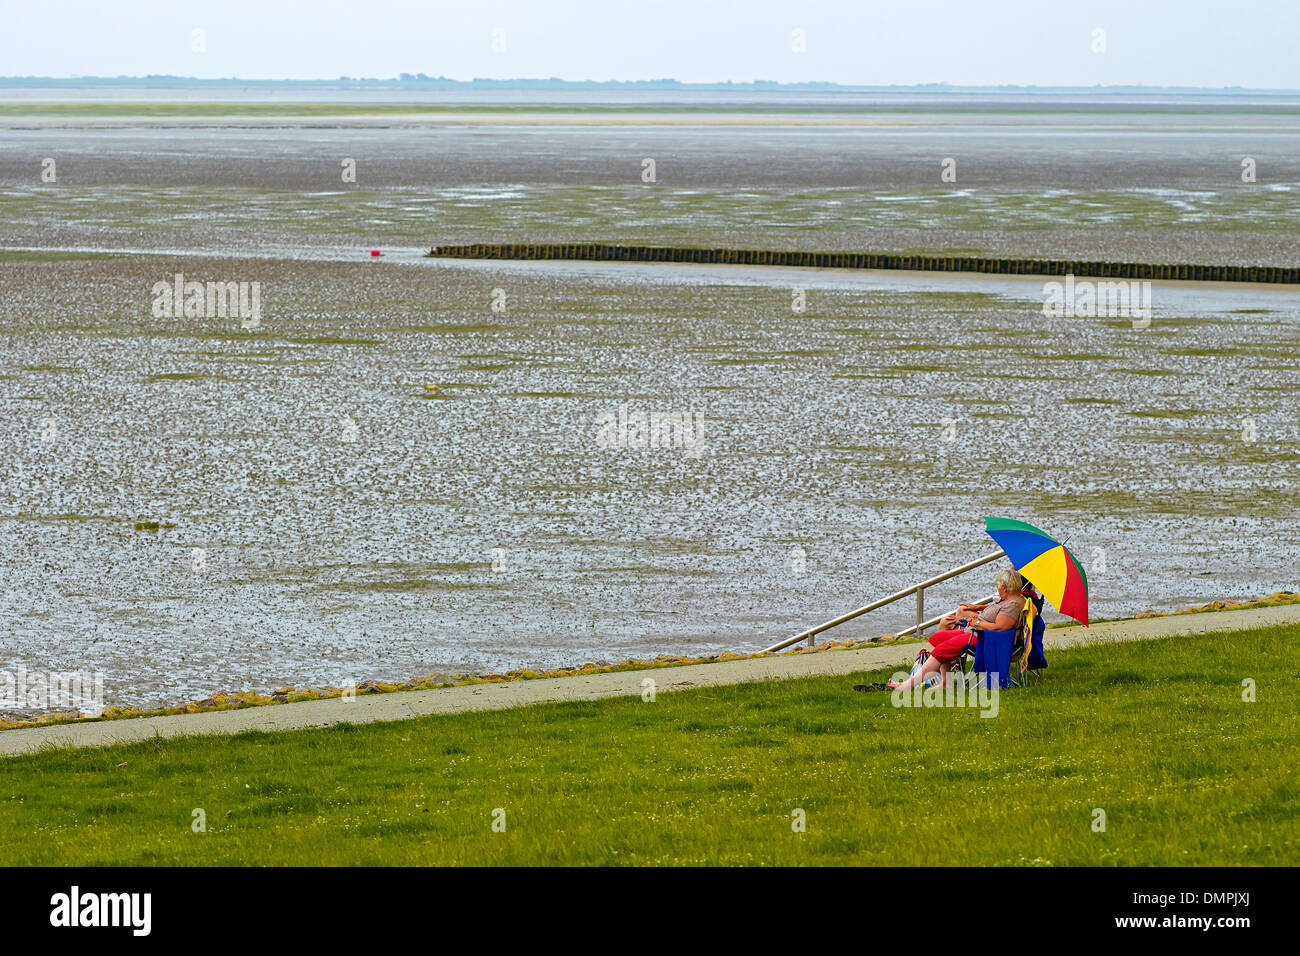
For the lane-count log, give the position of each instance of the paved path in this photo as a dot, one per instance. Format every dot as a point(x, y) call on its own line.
point(402, 705)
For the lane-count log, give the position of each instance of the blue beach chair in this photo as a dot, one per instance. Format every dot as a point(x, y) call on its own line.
point(1013, 654)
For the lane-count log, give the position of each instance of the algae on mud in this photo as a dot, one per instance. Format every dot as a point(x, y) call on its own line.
point(825, 436)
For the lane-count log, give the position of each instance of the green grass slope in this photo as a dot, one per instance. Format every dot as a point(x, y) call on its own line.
point(1154, 733)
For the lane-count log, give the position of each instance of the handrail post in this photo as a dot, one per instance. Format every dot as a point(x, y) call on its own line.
point(939, 617)
point(920, 608)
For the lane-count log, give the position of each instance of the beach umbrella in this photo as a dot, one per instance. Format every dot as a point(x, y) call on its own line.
point(1046, 563)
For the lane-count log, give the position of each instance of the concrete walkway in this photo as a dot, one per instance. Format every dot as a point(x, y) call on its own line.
point(402, 705)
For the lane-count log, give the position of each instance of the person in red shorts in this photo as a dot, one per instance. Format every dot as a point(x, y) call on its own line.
point(948, 642)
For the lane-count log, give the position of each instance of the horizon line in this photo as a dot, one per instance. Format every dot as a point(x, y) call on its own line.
point(421, 79)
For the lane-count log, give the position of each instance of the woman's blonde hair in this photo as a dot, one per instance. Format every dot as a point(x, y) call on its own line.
point(1010, 579)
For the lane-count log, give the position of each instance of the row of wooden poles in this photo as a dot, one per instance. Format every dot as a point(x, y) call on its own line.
point(872, 260)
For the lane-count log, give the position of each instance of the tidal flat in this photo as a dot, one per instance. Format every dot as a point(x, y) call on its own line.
point(389, 478)
point(397, 472)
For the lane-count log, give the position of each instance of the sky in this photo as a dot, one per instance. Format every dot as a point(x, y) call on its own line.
point(1205, 43)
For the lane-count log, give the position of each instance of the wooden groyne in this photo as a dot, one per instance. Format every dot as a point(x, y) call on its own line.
point(603, 252)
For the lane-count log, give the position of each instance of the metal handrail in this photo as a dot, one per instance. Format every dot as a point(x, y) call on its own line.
point(810, 635)
point(939, 617)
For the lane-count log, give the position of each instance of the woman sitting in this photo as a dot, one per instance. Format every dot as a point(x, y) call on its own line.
point(1002, 615)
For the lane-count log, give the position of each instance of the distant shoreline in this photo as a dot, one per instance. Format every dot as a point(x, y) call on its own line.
point(422, 82)
point(375, 109)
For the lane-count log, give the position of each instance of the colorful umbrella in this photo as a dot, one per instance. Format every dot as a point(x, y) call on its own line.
point(1046, 564)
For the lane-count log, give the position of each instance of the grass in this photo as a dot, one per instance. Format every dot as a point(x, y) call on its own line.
point(153, 525)
point(1276, 599)
point(1155, 733)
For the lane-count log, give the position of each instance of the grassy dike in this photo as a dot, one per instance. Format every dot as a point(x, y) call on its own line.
point(1155, 733)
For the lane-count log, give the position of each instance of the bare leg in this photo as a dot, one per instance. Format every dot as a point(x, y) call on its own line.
point(929, 667)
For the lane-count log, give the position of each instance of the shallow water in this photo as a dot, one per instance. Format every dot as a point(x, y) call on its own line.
point(1162, 188)
point(349, 519)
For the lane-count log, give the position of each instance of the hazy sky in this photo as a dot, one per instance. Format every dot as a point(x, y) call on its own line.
point(1156, 42)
